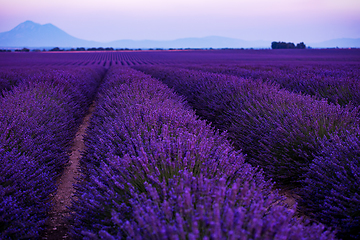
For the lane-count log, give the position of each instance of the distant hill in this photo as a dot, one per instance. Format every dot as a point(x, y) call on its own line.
point(339, 42)
point(30, 34)
point(34, 35)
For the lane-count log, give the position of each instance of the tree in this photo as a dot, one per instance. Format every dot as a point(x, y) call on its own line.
point(56, 49)
point(300, 45)
point(289, 45)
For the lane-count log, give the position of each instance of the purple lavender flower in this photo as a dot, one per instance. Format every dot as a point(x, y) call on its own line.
point(148, 153)
point(331, 192)
point(38, 119)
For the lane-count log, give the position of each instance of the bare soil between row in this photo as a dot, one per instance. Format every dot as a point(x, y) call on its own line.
point(57, 225)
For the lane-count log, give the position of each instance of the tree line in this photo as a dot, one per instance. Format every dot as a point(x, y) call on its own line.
point(289, 45)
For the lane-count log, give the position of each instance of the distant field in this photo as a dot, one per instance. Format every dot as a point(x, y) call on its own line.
point(185, 144)
point(155, 57)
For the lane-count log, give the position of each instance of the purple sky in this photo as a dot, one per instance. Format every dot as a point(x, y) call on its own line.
point(273, 20)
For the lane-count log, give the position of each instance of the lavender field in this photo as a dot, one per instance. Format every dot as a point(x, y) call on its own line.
point(182, 144)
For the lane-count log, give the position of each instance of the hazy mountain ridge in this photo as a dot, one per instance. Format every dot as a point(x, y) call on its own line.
point(30, 34)
point(339, 42)
point(205, 42)
point(34, 35)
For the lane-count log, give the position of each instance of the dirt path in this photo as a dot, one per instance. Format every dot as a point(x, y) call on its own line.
point(57, 227)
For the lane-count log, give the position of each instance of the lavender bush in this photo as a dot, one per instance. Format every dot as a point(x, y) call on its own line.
point(138, 119)
point(331, 192)
point(338, 83)
point(25, 186)
point(10, 77)
point(142, 141)
point(38, 119)
point(190, 207)
point(278, 130)
point(282, 132)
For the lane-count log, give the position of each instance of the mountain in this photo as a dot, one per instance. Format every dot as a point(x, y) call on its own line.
point(339, 42)
point(34, 35)
point(30, 34)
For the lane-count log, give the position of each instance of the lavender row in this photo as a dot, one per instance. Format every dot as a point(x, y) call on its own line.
point(278, 130)
point(38, 120)
point(10, 77)
point(152, 170)
point(331, 192)
point(337, 83)
point(281, 132)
